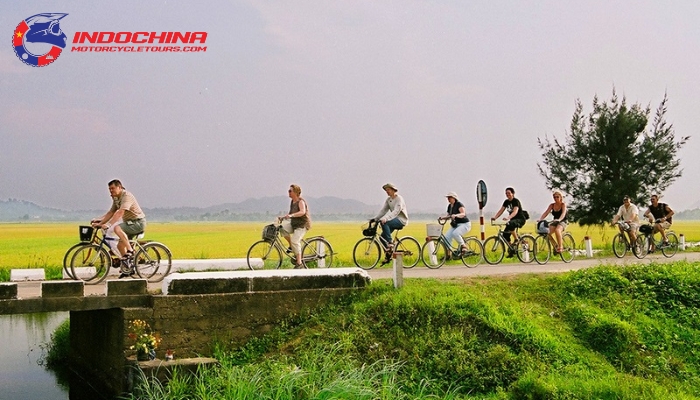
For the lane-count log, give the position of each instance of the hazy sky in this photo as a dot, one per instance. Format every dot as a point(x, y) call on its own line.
point(336, 96)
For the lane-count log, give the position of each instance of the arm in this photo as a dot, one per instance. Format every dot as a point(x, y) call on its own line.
point(498, 214)
point(669, 213)
point(513, 213)
point(545, 213)
point(635, 214)
point(564, 210)
point(400, 205)
point(384, 210)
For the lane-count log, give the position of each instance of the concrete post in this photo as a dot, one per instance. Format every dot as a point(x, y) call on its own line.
point(398, 269)
point(589, 247)
point(320, 249)
point(681, 244)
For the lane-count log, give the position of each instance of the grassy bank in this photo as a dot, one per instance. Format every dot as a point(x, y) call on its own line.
point(599, 333)
point(43, 245)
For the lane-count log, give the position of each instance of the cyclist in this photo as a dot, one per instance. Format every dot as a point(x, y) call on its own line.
point(629, 213)
point(296, 223)
point(558, 224)
point(392, 216)
point(661, 212)
point(126, 209)
point(515, 217)
point(459, 222)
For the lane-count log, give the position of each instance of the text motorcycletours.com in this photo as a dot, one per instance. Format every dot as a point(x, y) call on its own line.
point(127, 42)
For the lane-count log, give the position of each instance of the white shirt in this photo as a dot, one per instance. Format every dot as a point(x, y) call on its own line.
point(630, 213)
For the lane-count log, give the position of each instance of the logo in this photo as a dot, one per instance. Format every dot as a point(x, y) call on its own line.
point(39, 40)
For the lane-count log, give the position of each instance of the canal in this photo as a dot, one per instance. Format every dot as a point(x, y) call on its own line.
point(22, 375)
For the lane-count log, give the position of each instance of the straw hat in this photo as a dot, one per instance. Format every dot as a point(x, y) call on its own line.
point(453, 195)
point(389, 186)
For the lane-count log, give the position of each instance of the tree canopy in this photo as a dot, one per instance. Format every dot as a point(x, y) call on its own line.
point(612, 152)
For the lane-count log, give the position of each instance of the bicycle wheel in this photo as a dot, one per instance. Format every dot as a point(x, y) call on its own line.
point(67, 258)
point(90, 263)
point(411, 251)
point(526, 248)
point(153, 262)
point(474, 253)
point(267, 252)
point(568, 248)
point(317, 253)
point(619, 245)
point(434, 253)
point(366, 253)
point(672, 247)
point(494, 250)
point(543, 249)
point(641, 247)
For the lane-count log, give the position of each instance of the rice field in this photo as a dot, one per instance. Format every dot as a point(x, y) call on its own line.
point(42, 245)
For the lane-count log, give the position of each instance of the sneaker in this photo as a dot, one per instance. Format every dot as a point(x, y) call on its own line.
point(289, 251)
point(299, 266)
point(511, 253)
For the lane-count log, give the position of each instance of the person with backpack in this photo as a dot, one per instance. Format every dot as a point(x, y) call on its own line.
point(459, 222)
point(296, 223)
point(660, 215)
point(515, 218)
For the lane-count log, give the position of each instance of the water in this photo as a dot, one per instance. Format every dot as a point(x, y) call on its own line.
point(21, 376)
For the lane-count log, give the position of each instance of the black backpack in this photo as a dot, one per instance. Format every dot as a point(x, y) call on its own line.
point(526, 215)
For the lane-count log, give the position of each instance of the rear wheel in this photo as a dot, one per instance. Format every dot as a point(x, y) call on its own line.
point(411, 251)
point(90, 263)
point(474, 253)
point(434, 253)
point(543, 249)
point(153, 262)
point(264, 255)
point(317, 253)
point(526, 248)
point(641, 248)
point(672, 248)
point(619, 245)
point(494, 250)
point(568, 248)
point(366, 253)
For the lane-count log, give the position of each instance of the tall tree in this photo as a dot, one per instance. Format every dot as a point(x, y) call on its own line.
point(611, 153)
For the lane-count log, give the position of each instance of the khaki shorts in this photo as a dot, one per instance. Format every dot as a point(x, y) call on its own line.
point(134, 226)
point(665, 225)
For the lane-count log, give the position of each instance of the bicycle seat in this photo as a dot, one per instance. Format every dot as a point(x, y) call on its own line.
point(136, 236)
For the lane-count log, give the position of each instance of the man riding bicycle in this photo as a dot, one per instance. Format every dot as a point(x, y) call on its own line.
point(628, 213)
point(515, 218)
point(660, 215)
point(124, 218)
point(392, 216)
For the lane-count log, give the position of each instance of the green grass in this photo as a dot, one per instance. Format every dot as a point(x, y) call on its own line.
point(43, 245)
point(601, 333)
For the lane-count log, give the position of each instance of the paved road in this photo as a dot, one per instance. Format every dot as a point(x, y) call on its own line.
point(32, 289)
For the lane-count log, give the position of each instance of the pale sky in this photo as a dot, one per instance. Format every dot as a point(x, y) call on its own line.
point(339, 97)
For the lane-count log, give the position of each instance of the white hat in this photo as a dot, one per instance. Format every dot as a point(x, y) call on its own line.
point(389, 186)
point(452, 194)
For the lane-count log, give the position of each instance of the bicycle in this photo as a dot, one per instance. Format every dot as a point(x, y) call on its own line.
point(495, 246)
point(621, 243)
point(544, 243)
point(151, 261)
point(368, 250)
point(646, 238)
point(316, 251)
point(437, 250)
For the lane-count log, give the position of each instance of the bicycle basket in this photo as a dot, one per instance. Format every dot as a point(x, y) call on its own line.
point(269, 232)
point(645, 229)
point(371, 229)
point(543, 227)
point(86, 233)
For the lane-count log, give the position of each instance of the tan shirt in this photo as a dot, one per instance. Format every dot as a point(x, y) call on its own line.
point(128, 203)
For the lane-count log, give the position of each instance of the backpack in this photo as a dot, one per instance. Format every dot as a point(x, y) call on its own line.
point(526, 215)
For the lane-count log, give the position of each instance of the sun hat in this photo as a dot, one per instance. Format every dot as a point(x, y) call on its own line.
point(453, 195)
point(389, 186)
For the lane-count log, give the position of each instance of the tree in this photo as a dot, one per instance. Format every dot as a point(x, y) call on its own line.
point(609, 154)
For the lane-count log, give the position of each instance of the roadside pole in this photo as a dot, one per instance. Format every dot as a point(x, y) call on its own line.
point(481, 197)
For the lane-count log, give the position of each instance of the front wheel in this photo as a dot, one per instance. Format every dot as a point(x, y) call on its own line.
point(153, 262)
point(411, 251)
point(474, 252)
point(671, 248)
point(494, 250)
point(67, 259)
point(543, 249)
point(366, 253)
point(526, 248)
point(317, 253)
point(568, 248)
point(434, 253)
point(90, 263)
point(641, 248)
point(619, 245)
point(264, 255)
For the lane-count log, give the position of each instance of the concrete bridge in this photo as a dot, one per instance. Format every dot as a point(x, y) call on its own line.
point(191, 312)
